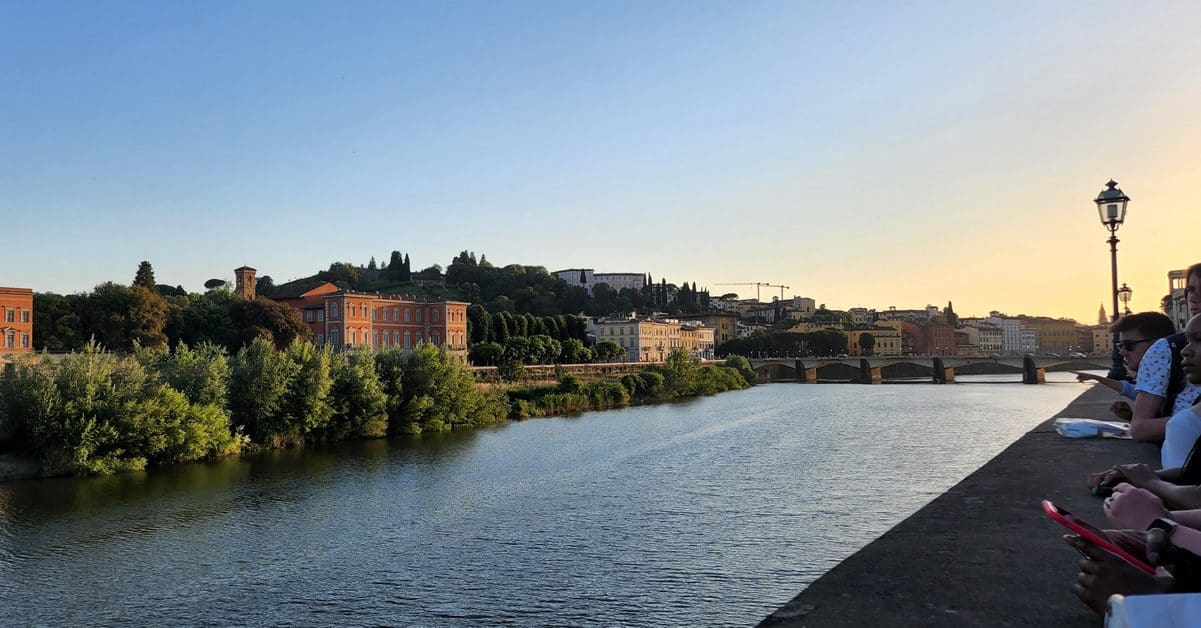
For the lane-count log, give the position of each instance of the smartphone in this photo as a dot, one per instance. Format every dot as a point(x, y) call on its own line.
point(1091, 533)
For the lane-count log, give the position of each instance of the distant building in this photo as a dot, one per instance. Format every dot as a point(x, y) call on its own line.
point(724, 324)
point(16, 320)
point(862, 315)
point(346, 319)
point(1102, 340)
point(1015, 339)
point(587, 279)
point(928, 338)
point(1054, 335)
point(1175, 306)
point(803, 308)
point(653, 339)
point(981, 338)
point(887, 340)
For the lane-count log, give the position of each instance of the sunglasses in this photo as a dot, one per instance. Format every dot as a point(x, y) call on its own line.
point(1129, 345)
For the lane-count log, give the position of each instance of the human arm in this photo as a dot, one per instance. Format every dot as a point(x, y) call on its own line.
point(1146, 424)
point(1111, 384)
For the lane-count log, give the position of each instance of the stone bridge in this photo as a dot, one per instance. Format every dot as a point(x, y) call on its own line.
point(870, 370)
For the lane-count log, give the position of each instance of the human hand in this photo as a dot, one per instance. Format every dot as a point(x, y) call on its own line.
point(1139, 475)
point(1103, 574)
point(1108, 477)
point(1086, 377)
point(1159, 546)
point(1122, 410)
point(1133, 508)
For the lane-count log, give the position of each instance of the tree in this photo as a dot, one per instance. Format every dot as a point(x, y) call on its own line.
point(486, 354)
point(439, 393)
point(867, 343)
point(56, 326)
point(406, 271)
point(357, 397)
point(262, 317)
point(264, 286)
point(479, 324)
point(608, 351)
point(371, 264)
point(214, 284)
point(147, 317)
point(145, 276)
point(573, 351)
point(949, 313)
point(344, 274)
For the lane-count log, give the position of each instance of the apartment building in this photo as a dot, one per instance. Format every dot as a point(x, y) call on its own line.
point(724, 324)
point(347, 319)
point(16, 320)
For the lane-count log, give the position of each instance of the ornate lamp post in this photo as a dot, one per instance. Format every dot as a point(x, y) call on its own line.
point(1111, 208)
point(1124, 296)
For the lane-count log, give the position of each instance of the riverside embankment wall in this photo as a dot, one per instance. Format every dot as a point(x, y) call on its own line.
point(983, 553)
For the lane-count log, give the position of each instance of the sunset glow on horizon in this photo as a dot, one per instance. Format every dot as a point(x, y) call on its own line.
point(866, 155)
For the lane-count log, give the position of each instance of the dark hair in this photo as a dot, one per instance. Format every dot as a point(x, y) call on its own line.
point(1151, 324)
point(1195, 269)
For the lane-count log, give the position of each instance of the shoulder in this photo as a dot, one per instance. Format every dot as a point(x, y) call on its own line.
point(1155, 368)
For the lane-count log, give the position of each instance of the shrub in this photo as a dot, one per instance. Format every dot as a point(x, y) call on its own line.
point(358, 400)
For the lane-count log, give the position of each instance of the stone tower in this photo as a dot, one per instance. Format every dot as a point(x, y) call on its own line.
point(1102, 319)
point(244, 282)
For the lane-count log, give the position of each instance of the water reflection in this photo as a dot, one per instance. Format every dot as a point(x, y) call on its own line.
point(709, 512)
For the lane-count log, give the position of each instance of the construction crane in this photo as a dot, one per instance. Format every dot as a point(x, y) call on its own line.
point(758, 284)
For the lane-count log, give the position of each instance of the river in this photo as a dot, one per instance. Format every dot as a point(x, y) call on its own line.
point(712, 511)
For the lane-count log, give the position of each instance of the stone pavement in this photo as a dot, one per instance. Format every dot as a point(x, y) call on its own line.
point(983, 553)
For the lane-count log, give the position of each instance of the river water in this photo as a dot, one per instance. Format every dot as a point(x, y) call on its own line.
point(708, 512)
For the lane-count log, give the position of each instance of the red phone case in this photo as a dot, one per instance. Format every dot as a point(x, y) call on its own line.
point(1091, 533)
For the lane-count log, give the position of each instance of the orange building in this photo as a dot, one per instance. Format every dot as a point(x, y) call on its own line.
point(344, 319)
point(16, 320)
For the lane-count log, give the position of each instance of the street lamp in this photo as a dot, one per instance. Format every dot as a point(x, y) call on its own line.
point(1124, 296)
point(1111, 208)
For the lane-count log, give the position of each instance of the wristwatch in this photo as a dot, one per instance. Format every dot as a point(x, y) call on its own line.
point(1167, 525)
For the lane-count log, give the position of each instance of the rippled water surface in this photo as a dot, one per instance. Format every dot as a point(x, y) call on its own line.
point(708, 512)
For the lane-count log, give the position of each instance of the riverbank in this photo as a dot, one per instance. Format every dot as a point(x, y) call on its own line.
point(983, 553)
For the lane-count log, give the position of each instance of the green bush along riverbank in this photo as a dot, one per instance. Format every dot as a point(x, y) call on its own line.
point(98, 412)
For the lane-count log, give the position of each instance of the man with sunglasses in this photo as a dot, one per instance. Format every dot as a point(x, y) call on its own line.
point(1137, 333)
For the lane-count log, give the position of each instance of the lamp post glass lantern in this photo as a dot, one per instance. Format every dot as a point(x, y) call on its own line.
point(1111, 209)
point(1124, 296)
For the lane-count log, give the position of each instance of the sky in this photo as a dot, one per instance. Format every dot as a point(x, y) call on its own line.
point(863, 154)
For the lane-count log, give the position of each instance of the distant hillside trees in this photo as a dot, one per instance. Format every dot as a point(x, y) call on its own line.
point(119, 317)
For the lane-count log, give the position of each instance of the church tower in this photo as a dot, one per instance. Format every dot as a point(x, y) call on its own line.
point(1102, 319)
point(244, 282)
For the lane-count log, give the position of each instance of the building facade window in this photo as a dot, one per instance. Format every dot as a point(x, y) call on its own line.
point(406, 320)
point(418, 315)
point(9, 339)
point(333, 310)
point(9, 315)
point(320, 315)
point(24, 316)
point(434, 314)
point(395, 338)
point(408, 339)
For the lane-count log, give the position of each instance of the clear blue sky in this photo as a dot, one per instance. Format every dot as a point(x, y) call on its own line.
point(864, 154)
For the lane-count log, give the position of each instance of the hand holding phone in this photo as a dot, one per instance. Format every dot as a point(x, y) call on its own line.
point(1091, 533)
